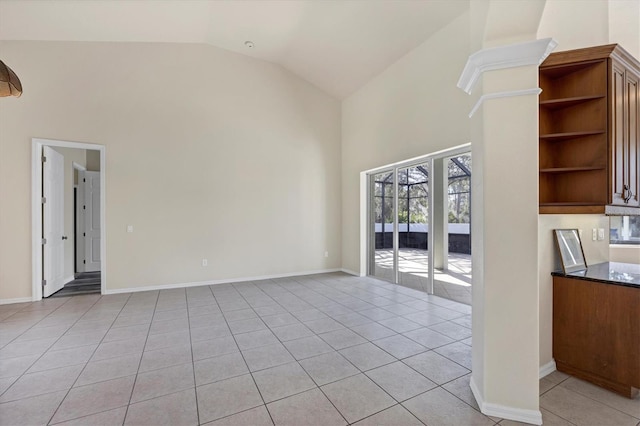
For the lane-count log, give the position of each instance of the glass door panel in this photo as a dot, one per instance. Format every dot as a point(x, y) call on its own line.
point(413, 227)
point(452, 279)
point(381, 260)
point(420, 225)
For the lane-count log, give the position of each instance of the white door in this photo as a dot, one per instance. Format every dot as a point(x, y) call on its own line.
point(91, 181)
point(53, 223)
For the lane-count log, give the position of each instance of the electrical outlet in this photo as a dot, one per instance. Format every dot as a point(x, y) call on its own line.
point(205, 262)
point(594, 234)
point(326, 254)
point(600, 234)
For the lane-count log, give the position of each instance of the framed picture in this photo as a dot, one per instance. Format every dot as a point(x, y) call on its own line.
point(570, 249)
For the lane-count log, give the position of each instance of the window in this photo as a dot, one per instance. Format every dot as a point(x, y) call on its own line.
point(624, 230)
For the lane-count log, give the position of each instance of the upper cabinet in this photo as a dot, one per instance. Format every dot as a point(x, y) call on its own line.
point(590, 132)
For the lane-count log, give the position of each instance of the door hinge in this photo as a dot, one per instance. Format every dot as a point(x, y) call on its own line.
point(44, 159)
point(44, 200)
point(44, 282)
point(44, 241)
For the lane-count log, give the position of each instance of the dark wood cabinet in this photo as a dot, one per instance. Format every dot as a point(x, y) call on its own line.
point(625, 139)
point(596, 333)
point(589, 131)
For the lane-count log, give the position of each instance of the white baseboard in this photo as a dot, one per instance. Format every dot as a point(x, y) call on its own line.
point(216, 282)
point(350, 272)
point(533, 417)
point(547, 369)
point(16, 300)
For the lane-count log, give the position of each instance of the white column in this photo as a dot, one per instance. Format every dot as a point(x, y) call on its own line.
point(504, 131)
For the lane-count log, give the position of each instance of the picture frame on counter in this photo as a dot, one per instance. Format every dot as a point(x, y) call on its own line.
point(569, 247)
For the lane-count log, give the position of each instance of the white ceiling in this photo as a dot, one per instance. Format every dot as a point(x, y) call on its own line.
point(338, 45)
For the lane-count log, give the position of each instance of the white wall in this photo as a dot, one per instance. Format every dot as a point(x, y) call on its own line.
point(208, 155)
point(575, 24)
point(412, 109)
point(624, 16)
point(70, 156)
point(583, 23)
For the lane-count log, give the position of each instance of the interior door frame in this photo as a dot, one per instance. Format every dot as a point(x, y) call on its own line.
point(36, 210)
point(366, 190)
point(79, 217)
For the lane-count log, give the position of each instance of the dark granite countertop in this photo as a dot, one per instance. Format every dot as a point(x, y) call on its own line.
point(626, 274)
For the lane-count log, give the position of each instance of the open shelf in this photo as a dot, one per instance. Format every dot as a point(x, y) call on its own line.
point(551, 208)
point(567, 102)
point(571, 169)
point(570, 135)
point(587, 126)
point(565, 204)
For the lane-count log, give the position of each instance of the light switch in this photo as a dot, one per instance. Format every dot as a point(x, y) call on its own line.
point(600, 234)
point(129, 228)
point(594, 234)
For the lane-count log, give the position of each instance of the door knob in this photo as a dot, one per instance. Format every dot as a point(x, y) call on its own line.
point(64, 237)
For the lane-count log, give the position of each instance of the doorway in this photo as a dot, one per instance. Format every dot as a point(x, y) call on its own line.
point(418, 224)
point(68, 216)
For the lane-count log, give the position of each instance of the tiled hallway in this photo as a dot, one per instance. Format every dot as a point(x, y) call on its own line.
point(328, 349)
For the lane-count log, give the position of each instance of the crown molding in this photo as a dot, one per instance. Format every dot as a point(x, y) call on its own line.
point(497, 95)
point(509, 56)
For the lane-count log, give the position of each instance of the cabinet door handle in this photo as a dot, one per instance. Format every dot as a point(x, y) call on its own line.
point(626, 190)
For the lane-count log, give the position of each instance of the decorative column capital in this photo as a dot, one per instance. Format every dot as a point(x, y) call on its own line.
point(509, 56)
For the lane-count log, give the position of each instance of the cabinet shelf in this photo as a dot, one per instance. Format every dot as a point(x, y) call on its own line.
point(558, 208)
point(587, 132)
point(571, 169)
point(567, 102)
point(570, 135)
point(567, 204)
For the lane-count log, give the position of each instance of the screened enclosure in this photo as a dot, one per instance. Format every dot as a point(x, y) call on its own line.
point(400, 206)
point(413, 212)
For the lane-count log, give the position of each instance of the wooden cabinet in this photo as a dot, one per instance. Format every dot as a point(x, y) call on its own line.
point(625, 147)
point(589, 132)
point(596, 333)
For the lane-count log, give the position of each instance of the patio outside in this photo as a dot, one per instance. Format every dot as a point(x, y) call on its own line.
point(453, 283)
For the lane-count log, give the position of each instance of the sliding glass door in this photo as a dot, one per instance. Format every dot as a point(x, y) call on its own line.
point(382, 224)
point(399, 225)
point(413, 226)
point(419, 224)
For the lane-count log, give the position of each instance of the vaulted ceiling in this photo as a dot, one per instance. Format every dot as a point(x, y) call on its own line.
point(338, 45)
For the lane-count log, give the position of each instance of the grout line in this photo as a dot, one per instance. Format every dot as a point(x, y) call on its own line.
point(193, 364)
point(241, 354)
point(126, 413)
point(299, 365)
point(94, 351)
point(589, 397)
point(301, 292)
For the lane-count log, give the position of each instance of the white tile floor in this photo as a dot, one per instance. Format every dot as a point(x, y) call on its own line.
point(319, 350)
